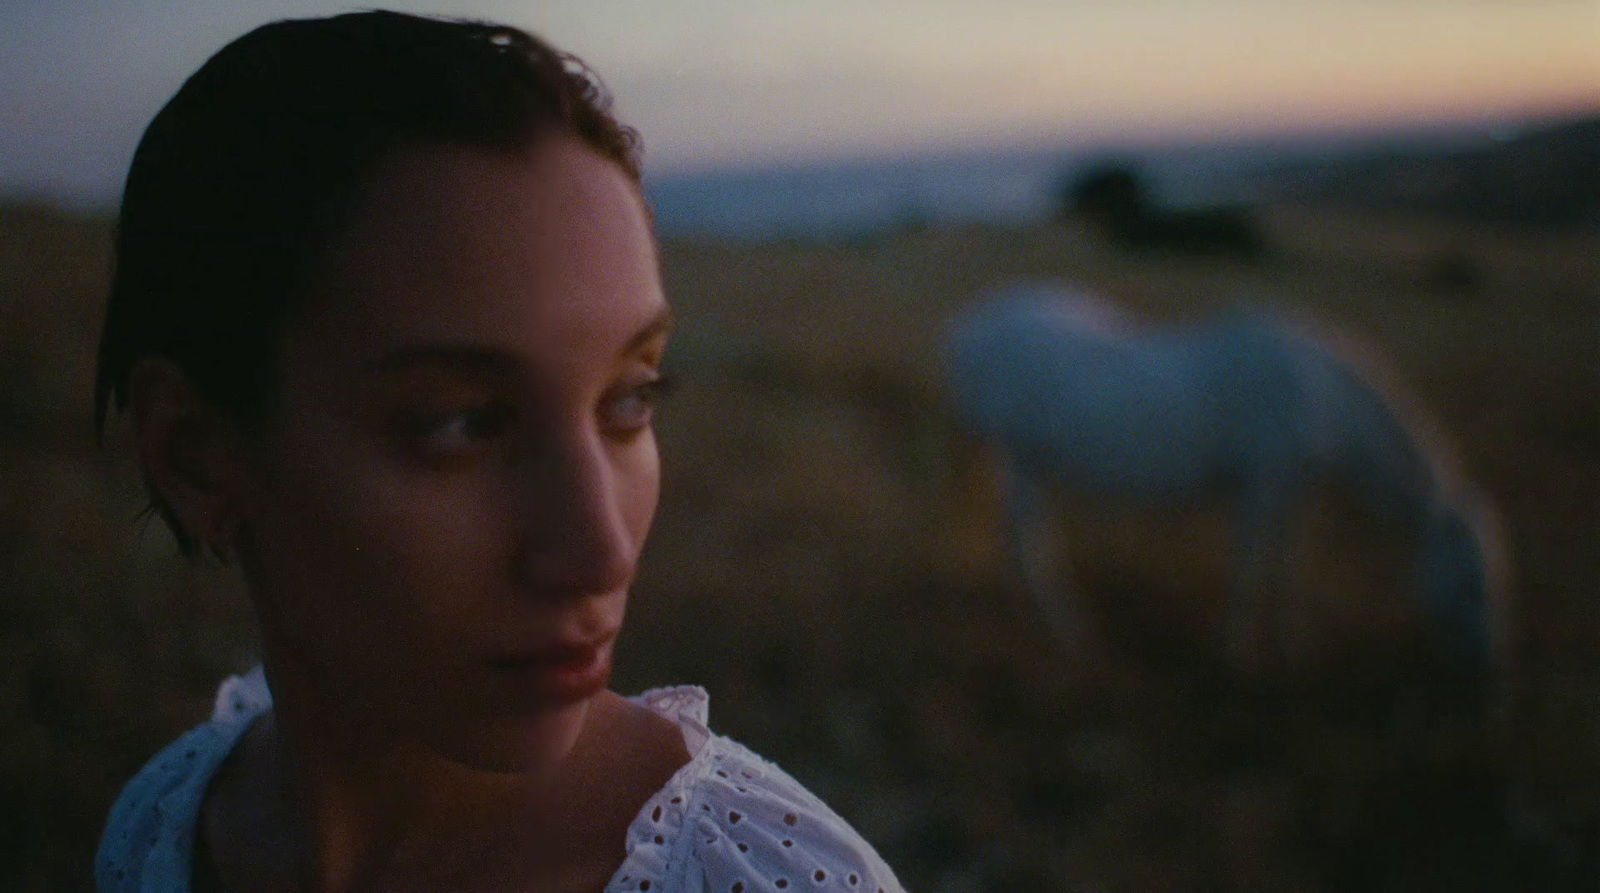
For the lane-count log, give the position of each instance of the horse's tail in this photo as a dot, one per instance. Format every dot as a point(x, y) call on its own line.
point(1463, 575)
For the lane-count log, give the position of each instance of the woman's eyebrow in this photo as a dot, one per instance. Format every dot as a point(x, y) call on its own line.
point(461, 357)
point(483, 360)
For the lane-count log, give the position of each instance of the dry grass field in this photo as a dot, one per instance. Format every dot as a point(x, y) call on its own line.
point(830, 565)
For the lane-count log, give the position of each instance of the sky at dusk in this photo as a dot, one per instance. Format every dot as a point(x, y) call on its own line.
point(742, 82)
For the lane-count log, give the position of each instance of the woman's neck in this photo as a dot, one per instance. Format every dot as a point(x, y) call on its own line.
point(349, 813)
point(369, 797)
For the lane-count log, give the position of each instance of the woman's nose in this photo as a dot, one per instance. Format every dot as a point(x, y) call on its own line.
point(575, 539)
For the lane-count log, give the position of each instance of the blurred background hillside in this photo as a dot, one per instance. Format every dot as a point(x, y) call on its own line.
point(827, 562)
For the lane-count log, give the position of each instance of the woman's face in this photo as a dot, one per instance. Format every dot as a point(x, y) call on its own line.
point(443, 517)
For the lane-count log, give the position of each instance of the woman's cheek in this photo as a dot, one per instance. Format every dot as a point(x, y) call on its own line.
point(450, 529)
point(387, 532)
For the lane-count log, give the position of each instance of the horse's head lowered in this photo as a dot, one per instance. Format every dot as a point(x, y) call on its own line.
point(1461, 573)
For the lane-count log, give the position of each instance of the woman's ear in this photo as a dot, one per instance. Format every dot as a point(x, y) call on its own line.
point(190, 453)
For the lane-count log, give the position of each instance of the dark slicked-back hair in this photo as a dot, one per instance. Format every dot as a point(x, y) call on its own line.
point(245, 173)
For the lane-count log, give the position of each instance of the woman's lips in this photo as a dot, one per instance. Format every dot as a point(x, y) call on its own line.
point(563, 673)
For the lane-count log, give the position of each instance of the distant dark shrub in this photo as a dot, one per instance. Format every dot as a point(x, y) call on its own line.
point(1107, 190)
point(1114, 199)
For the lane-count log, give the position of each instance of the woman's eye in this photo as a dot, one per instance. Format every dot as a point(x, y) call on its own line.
point(457, 433)
point(631, 409)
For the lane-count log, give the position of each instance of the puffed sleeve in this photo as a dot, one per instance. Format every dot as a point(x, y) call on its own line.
point(148, 839)
point(761, 830)
point(744, 826)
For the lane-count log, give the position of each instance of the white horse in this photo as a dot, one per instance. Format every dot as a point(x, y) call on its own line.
point(1076, 396)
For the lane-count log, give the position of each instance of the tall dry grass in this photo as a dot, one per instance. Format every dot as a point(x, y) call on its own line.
point(831, 567)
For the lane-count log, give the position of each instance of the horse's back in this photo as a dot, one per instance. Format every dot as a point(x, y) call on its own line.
point(1108, 408)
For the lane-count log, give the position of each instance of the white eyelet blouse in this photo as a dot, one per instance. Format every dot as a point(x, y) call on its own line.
point(726, 822)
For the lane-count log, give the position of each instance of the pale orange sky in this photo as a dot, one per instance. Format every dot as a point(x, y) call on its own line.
point(868, 77)
point(734, 82)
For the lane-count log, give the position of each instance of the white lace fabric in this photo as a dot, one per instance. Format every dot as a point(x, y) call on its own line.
point(726, 822)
